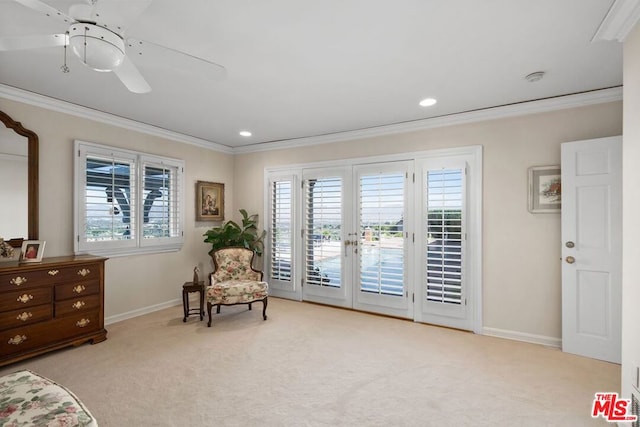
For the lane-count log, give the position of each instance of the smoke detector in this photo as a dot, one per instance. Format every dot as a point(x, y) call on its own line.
point(534, 77)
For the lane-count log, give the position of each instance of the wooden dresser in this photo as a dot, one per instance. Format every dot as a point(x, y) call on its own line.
point(49, 305)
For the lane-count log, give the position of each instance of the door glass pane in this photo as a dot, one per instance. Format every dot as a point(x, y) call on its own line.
point(381, 233)
point(445, 198)
point(281, 226)
point(323, 221)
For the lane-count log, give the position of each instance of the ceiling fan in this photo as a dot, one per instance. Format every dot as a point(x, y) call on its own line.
point(95, 34)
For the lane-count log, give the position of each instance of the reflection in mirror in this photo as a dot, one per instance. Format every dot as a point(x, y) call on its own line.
point(18, 182)
point(13, 184)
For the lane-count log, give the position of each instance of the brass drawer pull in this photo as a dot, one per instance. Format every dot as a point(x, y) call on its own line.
point(78, 305)
point(24, 298)
point(18, 280)
point(82, 323)
point(18, 339)
point(53, 272)
point(78, 289)
point(84, 272)
point(24, 316)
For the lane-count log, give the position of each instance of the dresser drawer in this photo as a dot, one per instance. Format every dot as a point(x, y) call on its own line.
point(76, 305)
point(25, 298)
point(26, 279)
point(41, 334)
point(76, 289)
point(77, 272)
point(48, 275)
point(25, 316)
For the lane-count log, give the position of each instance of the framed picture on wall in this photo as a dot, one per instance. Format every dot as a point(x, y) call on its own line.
point(545, 189)
point(209, 201)
point(32, 251)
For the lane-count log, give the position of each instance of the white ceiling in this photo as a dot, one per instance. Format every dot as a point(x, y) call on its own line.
point(299, 69)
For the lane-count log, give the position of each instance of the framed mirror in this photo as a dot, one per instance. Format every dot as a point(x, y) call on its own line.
point(18, 182)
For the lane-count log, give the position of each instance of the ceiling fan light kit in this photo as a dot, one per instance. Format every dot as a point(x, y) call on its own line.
point(97, 47)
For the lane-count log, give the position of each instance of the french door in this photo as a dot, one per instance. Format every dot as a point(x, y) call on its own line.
point(388, 237)
point(379, 245)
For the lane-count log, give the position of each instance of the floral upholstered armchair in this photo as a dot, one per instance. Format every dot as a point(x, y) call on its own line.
point(234, 281)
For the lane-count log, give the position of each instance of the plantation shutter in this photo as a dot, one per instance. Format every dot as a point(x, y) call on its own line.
point(323, 222)
point(444, 224)
point(108, 188)
point(161, 205)
point(281, 230)
point(382, 201)
point(126, 202)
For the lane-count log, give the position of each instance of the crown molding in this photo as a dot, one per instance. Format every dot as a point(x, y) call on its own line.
point(622, 16)
point(512, 110)
point(31, 98)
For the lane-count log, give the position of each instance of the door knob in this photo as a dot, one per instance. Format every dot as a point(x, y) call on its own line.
point(570, 259)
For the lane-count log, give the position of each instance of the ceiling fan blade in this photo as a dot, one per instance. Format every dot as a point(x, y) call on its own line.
point(118, 15)
point(165, 55)
point(129, 75)
point(39, 6)
point(32, 42)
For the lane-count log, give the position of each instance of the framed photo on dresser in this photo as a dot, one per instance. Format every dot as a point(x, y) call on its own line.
point(32, 251)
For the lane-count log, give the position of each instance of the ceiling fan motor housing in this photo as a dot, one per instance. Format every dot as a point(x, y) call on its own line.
point(97, 47)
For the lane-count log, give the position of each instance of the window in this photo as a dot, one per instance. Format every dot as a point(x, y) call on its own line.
point(126, 202)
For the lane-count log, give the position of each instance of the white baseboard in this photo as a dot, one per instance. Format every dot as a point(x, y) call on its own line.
point(141, 311)
point(523, 336)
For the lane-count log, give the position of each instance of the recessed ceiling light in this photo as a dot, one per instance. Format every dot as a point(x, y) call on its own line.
point(534, 77)
point(245, 133)
point(428, 102)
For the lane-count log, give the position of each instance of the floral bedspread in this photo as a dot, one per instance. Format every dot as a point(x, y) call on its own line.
point(28, 399)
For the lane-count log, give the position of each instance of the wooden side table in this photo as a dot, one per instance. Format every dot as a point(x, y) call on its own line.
point(187, 288)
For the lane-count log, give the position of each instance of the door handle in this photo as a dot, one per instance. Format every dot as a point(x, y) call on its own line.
point(570, 260)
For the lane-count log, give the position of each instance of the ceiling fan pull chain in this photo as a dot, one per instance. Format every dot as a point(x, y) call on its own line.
point(64, 67)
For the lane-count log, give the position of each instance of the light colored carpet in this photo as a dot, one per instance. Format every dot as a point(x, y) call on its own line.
point(311, 365)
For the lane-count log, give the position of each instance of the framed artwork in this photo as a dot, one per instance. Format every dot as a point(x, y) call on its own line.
point(32, 251)
point(545, 189)
point(209, 201)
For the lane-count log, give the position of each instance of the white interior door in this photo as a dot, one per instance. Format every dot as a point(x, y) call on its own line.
point(592, 248)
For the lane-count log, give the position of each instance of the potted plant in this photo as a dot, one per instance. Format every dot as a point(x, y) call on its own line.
point(231, 234)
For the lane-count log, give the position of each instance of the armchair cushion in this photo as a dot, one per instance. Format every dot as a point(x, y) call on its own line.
point(236, 292)
point(27, 398)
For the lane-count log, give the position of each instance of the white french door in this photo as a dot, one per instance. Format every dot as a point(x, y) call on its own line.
point(400, 237)
point(443, 292)
point(325, 224)
point(379, 244)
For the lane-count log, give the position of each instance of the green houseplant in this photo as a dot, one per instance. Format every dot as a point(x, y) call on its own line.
point(231, 233)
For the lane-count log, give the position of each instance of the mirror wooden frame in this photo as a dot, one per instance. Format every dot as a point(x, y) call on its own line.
point(32, 201)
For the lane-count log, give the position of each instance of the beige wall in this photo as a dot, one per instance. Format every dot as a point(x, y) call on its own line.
point(521, 256)
point(134, 284)
point(630, 213)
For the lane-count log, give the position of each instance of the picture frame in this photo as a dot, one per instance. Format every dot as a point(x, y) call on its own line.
point(32, 250)
point(545, 189)
point(209, 201)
